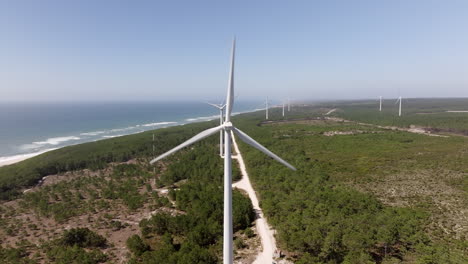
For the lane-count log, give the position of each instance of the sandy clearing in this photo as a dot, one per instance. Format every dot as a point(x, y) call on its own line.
point(412, 129)
point(266, 233)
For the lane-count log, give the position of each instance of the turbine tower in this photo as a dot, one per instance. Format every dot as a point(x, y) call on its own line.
point(399, 110)
point(221, 110)
point(380, 109)
point(283, 108)
point(266, 108)
point(228, 128)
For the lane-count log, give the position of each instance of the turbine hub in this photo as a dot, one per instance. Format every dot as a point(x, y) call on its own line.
point(227, 125)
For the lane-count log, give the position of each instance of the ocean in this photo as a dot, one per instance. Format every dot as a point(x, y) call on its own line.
point(27, 129)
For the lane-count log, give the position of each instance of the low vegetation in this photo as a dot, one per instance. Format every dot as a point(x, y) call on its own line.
point(428, 113)
point(94, 155)
point(362, 194)
point(178, 207)
point(194, 236)
point(319, 215)
point(77, 245)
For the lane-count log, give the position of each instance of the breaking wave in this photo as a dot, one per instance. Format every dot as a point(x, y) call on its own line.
point(39, 147)
point(202, 118)
point(158, 124)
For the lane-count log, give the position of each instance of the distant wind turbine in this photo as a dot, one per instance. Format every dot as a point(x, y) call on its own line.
point(228, 128)
point(380, 109)
point(283, 108)
point(221, 110)
point(289, 104)
point(266, 107)
point(399, 110)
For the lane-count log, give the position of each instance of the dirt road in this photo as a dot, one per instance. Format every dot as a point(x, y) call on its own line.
point(331, 111)
point(266, 233)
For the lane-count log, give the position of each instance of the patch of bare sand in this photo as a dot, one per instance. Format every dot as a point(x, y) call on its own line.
point(115, 222)
point(302, 121)
point(411, 129)
point(36, 229)
point(352, 132)
point(71, 175)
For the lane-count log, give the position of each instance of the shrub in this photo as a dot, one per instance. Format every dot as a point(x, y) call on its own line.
point(136, 245)
point(82, 237)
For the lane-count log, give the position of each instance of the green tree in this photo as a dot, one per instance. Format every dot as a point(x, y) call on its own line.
point(136, 245)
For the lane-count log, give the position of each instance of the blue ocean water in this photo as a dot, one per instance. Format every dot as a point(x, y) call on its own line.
point(27, 128)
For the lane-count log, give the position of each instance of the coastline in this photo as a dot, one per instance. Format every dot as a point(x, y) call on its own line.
point(9, 160)
point(4, 161)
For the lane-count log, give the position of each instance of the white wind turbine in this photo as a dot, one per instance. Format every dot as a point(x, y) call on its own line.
point(266, 107)
point(380, 109)
point(283, 108)
point(228, 128)
point(221, 110)
point(399, 110)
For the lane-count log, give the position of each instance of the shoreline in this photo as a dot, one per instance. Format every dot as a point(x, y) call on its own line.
point(4, 161)
point(9, 160)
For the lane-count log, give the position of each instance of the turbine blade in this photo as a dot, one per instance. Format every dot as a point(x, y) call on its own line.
point(397, 100)
point(244, 137)
point(215, 105)
point(230, 92)
point(194, 139)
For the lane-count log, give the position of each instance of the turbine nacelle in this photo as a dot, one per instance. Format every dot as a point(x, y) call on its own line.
point(227, 126)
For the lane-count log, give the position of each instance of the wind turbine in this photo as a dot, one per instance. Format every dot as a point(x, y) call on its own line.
point(221, 110)
point(228, 128)
point(283, 108)
point(266, 107)
point(380, 109)
point(399, 110)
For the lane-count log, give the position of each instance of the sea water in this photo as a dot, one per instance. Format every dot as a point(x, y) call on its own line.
point(30, 128)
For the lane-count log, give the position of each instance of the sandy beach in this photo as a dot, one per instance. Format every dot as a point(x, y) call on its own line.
point(17, 158)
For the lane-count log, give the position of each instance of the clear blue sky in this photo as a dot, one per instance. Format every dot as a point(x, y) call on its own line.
point(159, 50)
